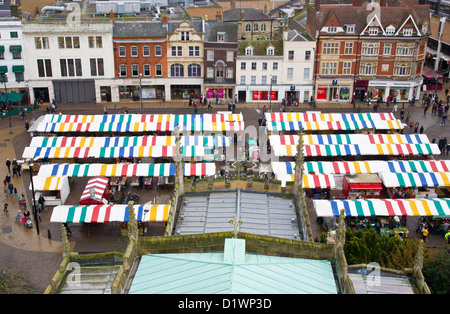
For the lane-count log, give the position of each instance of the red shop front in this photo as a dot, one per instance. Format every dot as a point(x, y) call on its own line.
point(362, 185)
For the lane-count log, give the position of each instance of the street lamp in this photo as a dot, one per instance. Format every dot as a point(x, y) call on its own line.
point(140, 90)
point(4, 78)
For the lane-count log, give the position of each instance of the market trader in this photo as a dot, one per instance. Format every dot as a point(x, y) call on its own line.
point(447, 237)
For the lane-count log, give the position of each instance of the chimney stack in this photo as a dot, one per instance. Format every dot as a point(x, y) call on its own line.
point(164, 19)
point(111, 16)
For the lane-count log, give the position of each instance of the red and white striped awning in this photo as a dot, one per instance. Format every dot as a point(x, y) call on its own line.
point(95, 190)
point(311, 181)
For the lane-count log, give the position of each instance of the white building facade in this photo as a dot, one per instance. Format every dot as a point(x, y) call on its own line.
point(69, 63)
point(12, 57)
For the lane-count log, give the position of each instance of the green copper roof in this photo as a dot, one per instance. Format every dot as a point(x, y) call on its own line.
point(231, 272)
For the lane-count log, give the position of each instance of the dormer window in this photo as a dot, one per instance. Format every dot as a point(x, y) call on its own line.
point(350, 28)
point(407, 31)
point(221, 36)
point(332, 29)
point(270, 51)
point(390, 30)
point(373, 31)
point(249, 51)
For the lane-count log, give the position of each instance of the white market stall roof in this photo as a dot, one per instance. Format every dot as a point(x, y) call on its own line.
point(383, 207)
point(128, 141)
point(108, 213)
point(125, 170)
point(361, 167)
point(316, 121)
point(357, 150)
point(52, 123)
point(111, 152)
point(49, 183)
point(416, 179)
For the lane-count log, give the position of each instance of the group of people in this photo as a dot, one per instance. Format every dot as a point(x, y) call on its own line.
point(15, 167)
point(438, 106)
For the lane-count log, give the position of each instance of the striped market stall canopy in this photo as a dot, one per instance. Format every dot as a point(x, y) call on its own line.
point(363, 167)
point(357, 149)
point(141, 123)
point(54, 183)
point(312, 181)
point(339, 139)
point(415, 179)
point(109, 213)
point(282, 121)
point(110, 152)
point(383, 207)
point(125, 170)
point(125, 141)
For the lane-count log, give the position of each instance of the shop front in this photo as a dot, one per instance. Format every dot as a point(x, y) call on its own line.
point(334, 90)
point(259, 93)
point(132, 92)
point(403, 91)
point(185, 91)
point(222, 92)
point(362, 186)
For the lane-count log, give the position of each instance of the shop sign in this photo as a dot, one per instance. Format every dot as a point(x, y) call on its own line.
point(321, 92)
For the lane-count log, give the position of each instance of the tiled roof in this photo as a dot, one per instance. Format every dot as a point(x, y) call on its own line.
point(213, 27)
point(139, 29)
point(249, 14)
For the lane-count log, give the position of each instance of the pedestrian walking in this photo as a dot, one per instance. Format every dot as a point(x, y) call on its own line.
point(8, 165)
point(444, 119)
point(5, 207)
point(424, 234)
point(411, 125)
point(416, 127)
point(394, 108)
point(27, 125)
point(10, 188)
point(421, 129)
point(448, 149)
point(209, 106)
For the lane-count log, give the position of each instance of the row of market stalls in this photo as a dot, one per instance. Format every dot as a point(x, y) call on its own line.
point(65, 146)
point(363, 156)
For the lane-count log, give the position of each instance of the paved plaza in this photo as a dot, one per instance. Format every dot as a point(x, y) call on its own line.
point(38, 256)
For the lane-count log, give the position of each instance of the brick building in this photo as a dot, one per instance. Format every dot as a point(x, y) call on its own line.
point(374, 51)
point(140, 55)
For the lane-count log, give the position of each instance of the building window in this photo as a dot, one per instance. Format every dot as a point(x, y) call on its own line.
point(68, 42)
point(210, 55)
point(306, 73)
point(95, 42)
point(330, 48)
point(348, 48)
point(194, 51)
point(146, 69)
point(346, 68)
point(274, 79)
point(248, 27)
point(253, 80)
point(242, 80)
point(219, 72)
point(220, 36)
point(19, 76)
point(229, 73)
point(370, 49)
point(275, 66)
point(249, 51)
point(402, 70)
point(253, 65)
point(194, 70)
point(177, 51)
point(97, 67)
point(264, 65)
point(13, 35)
point(135, 70)
point(122, 51)
point(307, 54)
point(255, 27)
point(368, 69)
point(291, 55)
point(407, 31)
point(263, 80)
point(146, 51)
point(158, 51)
point(263, 27)
point(387, 50)
point(290, 74)
point(270, 51)
point(70, 67)
point(176, 70)
point(123, 70)
point(210, 72)
point(405, 50)
point(44, 67)
point(373, 30)
point(390, 30)
point(230, 56)
point(332, 29)
point(134, 51)
point(350, 28)
point(243, 65)
point(184, 36)
point(41, 43)
point(328, 68)
point(158, 70)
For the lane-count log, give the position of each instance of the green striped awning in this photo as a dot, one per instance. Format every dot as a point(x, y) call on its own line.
point(3, 69)
point(2, 48)
point(15, 48)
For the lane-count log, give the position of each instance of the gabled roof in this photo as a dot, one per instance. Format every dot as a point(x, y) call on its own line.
point(332, 20)
point(196, 24)
point(260, 47)
point(214, 27)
